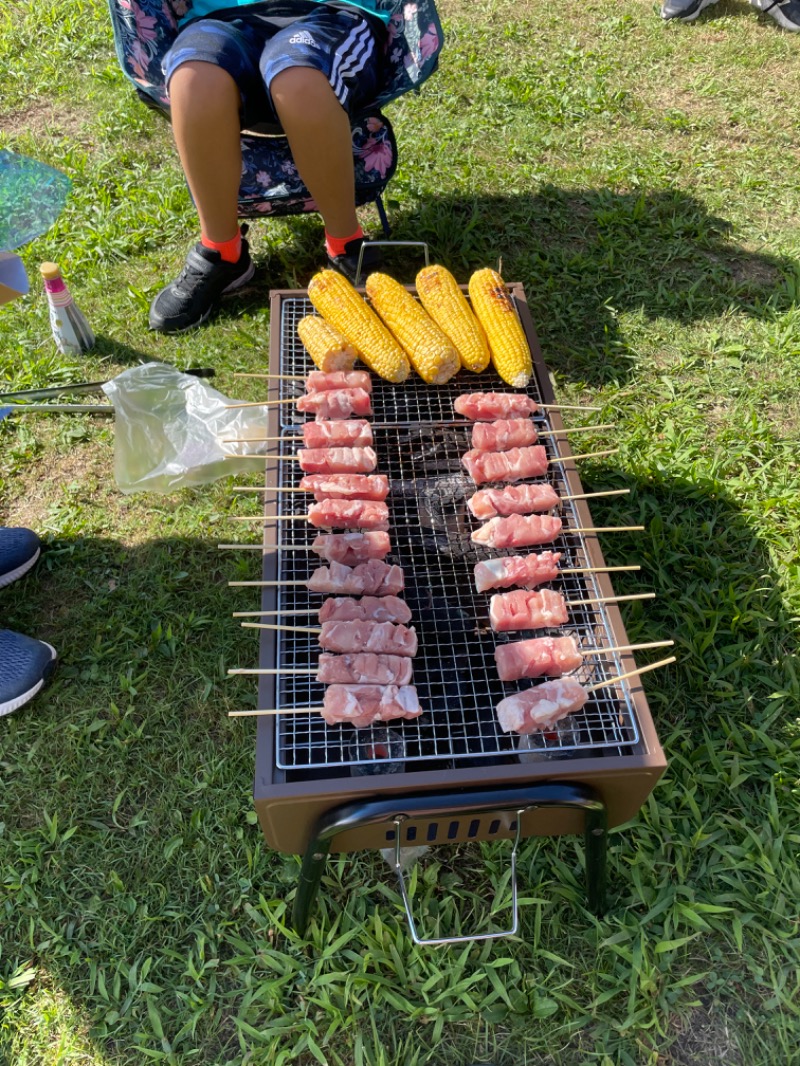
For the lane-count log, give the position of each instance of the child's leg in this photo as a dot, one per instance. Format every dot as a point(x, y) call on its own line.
point(205, 120)
point(318, 129)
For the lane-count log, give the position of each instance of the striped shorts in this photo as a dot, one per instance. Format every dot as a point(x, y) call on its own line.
point(340, 43)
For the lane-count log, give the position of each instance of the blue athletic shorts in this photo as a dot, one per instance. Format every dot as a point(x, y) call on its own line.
point(254, 48)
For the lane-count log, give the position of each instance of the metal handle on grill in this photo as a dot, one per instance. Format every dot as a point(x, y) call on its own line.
point(472, 937)
point(392, 244)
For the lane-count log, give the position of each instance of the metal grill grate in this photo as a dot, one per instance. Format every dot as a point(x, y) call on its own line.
point(454, 671)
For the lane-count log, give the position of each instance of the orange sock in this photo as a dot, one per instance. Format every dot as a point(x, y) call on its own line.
point(229, 250)
point(336, 245)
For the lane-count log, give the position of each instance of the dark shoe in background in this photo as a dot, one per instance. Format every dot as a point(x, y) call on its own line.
point(347, 263)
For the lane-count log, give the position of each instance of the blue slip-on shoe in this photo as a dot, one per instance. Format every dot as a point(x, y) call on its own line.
point(25, 665)
point(20, 549)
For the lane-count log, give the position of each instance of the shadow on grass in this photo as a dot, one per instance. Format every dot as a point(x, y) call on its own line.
point(584, 256)
point(137, 885)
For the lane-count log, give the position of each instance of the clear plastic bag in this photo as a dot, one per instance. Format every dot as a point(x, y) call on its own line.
point(169, 427)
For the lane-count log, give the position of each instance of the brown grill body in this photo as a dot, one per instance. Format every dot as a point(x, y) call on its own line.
point(304, 770)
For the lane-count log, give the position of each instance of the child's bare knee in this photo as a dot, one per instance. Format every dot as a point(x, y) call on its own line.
point(198, 86)
point(300, 88)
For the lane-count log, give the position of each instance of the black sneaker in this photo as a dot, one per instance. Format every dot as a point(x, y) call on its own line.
point(684, 10)
point(19, 550)
point(347, 263)
point(785, 12)
point(196, 292)
point(25, 666)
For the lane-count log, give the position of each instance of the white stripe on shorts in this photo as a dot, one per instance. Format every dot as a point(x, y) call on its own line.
point(350, 59)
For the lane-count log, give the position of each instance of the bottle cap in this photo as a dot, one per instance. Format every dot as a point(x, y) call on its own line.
point(49, 271)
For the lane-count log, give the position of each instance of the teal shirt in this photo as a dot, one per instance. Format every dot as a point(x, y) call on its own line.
point(381, 9)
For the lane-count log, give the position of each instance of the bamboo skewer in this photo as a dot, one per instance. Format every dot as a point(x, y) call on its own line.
point(299, 671)
point(587, 688)
point(567, 603)
point(388, 425)
point(274, 583)
point(260, 403)
point(630, 673)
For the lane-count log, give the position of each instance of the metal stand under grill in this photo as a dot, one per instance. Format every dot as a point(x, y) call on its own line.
point(608, 754)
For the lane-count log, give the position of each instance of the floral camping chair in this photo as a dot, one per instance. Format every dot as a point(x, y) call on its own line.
point(145, 29)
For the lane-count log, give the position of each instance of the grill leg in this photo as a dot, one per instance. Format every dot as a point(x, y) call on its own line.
point(596, 856)
point(311, 872)
point(382, 811)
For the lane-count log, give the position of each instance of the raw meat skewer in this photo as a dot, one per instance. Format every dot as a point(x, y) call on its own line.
point(519, 531)
point(318, 381)
point(372, 578)
point(350, 549)
point(527, 571)
point(503, 434)
point(363, 668)
point(345, 486)
point(542, 706)
point(361, 705)
point(541, 608)
point(490, 406)
point(345, 609)
point(336, 403)
point(516, 464)
point(551, 656)
point(525, 499)
point(385, 638)
point(336, 460)
point(347, 432)
point(358, 705)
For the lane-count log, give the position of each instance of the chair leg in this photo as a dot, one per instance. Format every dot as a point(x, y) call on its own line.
point(387, 229)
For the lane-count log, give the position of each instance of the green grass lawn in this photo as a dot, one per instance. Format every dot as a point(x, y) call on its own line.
point(640, 180)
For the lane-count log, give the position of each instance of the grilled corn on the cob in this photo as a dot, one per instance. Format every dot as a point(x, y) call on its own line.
point(447, 305)
point(343, 308)
point(432, 354)
point(329, 349)
point(495, 311)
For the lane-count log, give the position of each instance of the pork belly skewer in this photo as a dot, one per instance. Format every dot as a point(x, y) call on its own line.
point(321, 381)
point(525, 499)
point(325, 460)
point(350, 638)
point(551, 656)
point(372, 578)
point(347, 609)
point(542, 706)
point(336, 460)
point(507, 433)
point(357, 705)
point(353, 548)
point(345, 486)
point(349, 549)
point(522, 531)
point(363, 668)
point(530, 570)
point(332, 403)
point(333, 514)
point(491, 406)
point(516, 464)
point(352, 433)
point(541, 608)
point(336, 403)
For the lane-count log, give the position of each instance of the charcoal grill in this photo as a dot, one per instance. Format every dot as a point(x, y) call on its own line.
point(455, 777)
